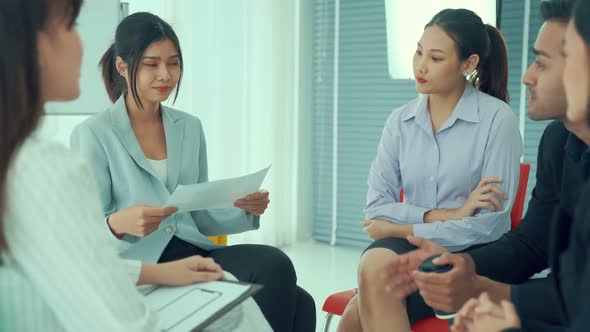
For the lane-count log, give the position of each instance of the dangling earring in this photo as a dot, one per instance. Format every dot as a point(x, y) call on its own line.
point(466, 74)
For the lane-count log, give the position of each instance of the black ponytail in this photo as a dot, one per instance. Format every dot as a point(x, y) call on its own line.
point(114, 83)
point(493, 71)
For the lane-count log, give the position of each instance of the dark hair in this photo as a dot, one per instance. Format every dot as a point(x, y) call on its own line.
point(556, 10)
point(21, 103)
point(473, 37)
point(580, 16)
point(134, 35)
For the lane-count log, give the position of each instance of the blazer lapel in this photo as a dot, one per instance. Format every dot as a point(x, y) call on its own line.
point(174, 130)
point(122, 127)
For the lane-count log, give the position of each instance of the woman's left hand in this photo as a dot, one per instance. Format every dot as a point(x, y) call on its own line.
point(254, 203)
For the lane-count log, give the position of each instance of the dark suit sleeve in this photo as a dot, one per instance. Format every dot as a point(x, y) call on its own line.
point(521, 253)
point(581, 319)
point(538, 305)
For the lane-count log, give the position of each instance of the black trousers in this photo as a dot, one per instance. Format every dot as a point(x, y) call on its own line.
point(286, 306)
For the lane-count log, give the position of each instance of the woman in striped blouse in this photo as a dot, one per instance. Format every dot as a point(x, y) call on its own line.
point(58, 270)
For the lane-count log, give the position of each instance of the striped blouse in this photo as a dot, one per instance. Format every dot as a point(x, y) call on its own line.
point(61, 272)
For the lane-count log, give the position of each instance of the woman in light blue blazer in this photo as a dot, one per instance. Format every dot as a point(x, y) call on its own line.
point(141, 151)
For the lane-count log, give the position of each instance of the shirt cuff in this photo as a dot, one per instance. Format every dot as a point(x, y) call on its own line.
point(422, 230)
point(416, 214)
point(399, 214)
point(133, 269)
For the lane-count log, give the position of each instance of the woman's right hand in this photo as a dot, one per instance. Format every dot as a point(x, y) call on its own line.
point(189, 270)
point(139, 220)
point(181, 272)
point(482, 197)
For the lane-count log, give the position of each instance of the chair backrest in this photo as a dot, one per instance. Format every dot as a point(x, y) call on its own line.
point(518, 205)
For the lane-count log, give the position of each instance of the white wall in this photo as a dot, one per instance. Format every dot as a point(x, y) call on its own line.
point(304, 113)
point(403, 30)
point(96, 24)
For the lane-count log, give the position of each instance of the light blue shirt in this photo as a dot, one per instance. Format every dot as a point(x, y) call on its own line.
point(439, 171)
point(126, 177)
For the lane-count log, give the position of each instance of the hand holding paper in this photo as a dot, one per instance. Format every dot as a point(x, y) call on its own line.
point(255, 203)
point(219, 194)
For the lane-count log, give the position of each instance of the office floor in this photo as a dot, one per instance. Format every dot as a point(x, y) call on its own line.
point(323, 270)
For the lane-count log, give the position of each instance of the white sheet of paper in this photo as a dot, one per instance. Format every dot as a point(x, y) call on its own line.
point(215, 194)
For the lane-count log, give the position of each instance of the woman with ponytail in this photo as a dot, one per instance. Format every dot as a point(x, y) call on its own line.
point(455, 151)
point(141, 151)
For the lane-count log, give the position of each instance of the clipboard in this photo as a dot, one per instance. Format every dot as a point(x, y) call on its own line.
point(196, 306)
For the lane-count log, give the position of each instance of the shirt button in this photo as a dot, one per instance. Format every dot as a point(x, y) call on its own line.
point(432, 178)
point(168, 230)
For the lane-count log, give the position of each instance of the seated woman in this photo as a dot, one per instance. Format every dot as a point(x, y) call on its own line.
point(140, 151)
point(455, 151)
point(570, 242)
point(58, 270)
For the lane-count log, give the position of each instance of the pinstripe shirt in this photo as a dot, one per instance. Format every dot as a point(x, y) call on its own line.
point(439, 170)
point(61, 272)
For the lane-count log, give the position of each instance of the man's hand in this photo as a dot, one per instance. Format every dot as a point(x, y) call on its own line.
point(449, 291)
point(483, 315)
point(397, 272)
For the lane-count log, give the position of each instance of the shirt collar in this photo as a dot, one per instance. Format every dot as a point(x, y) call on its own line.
point(464, 109)
point(467, 109)
point(576, 149)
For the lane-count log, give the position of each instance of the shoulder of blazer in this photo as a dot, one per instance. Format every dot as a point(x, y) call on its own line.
point(97, 122)
point(177, 115)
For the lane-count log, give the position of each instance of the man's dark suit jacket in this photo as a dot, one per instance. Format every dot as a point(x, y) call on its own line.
point(521, 253)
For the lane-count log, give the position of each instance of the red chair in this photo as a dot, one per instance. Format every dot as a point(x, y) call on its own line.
point(518, 206)
point(336, 303)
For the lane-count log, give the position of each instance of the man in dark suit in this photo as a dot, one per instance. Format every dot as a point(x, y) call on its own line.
point(503, 268)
